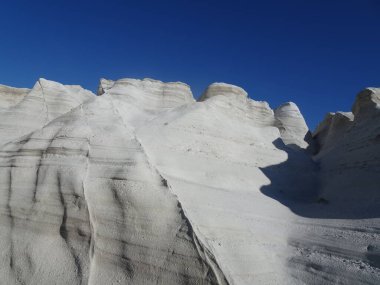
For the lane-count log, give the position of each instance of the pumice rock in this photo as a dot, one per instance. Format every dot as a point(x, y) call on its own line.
point(144, 185)
point(33, 109)
point(349, 156)
point(223, 89)
point(292, 125)
point(367, 103)
point(10, 96)
point(149, 91)
point(332, 128)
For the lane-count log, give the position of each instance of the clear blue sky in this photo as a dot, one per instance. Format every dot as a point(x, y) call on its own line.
point(317, 53)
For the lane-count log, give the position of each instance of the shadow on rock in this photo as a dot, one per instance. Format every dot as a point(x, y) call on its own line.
point(295, 183)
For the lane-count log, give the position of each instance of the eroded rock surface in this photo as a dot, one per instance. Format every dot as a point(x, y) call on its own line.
point(33, 109)
point(292, 125)
point(10, 96)
point(143, 185)
point(349, 156)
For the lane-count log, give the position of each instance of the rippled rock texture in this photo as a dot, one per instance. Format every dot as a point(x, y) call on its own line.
point(144, 185)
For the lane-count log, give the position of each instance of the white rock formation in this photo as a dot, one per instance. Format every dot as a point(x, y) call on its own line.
point(292, 125)
point(10, 96)
point(33, 109)
point(350, 156)
point(143, 185)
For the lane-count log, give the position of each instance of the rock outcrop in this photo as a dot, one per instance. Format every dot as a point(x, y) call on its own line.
point(367, 104)
point(349, 156)
point(292, 125)
point(33, 109)
point(223, 89)
point(10, 96)
point(144, 185)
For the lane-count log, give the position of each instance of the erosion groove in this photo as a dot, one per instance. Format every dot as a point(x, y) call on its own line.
point(45, 102)
point(214, 272)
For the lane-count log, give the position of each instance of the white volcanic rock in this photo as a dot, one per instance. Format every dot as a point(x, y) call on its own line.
point(91, 209)
point(367, 103)
point(141, 100)
point(45, 102)
point(143, 185)
point(228, 96)
point(349, 155)
point(213, 157)
point(332, 128)
point(292, 125)
point(343, 245)
point(153, 94)
point(223, 89)
point(10, 96)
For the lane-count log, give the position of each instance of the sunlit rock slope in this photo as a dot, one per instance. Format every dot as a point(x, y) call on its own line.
point(144, 185)
point(23, 110)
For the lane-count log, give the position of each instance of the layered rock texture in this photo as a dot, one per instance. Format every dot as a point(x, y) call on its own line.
point(144, 185)
point(23, 111)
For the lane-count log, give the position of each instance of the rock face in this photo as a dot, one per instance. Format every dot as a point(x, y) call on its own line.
point(292, 125)
point(367, 104)
point(223, 89)
point(33, 109)
point(143, 185)
point(350, 156)
point(10, 96)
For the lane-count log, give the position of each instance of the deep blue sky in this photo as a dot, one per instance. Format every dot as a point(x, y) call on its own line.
point(317, 53)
